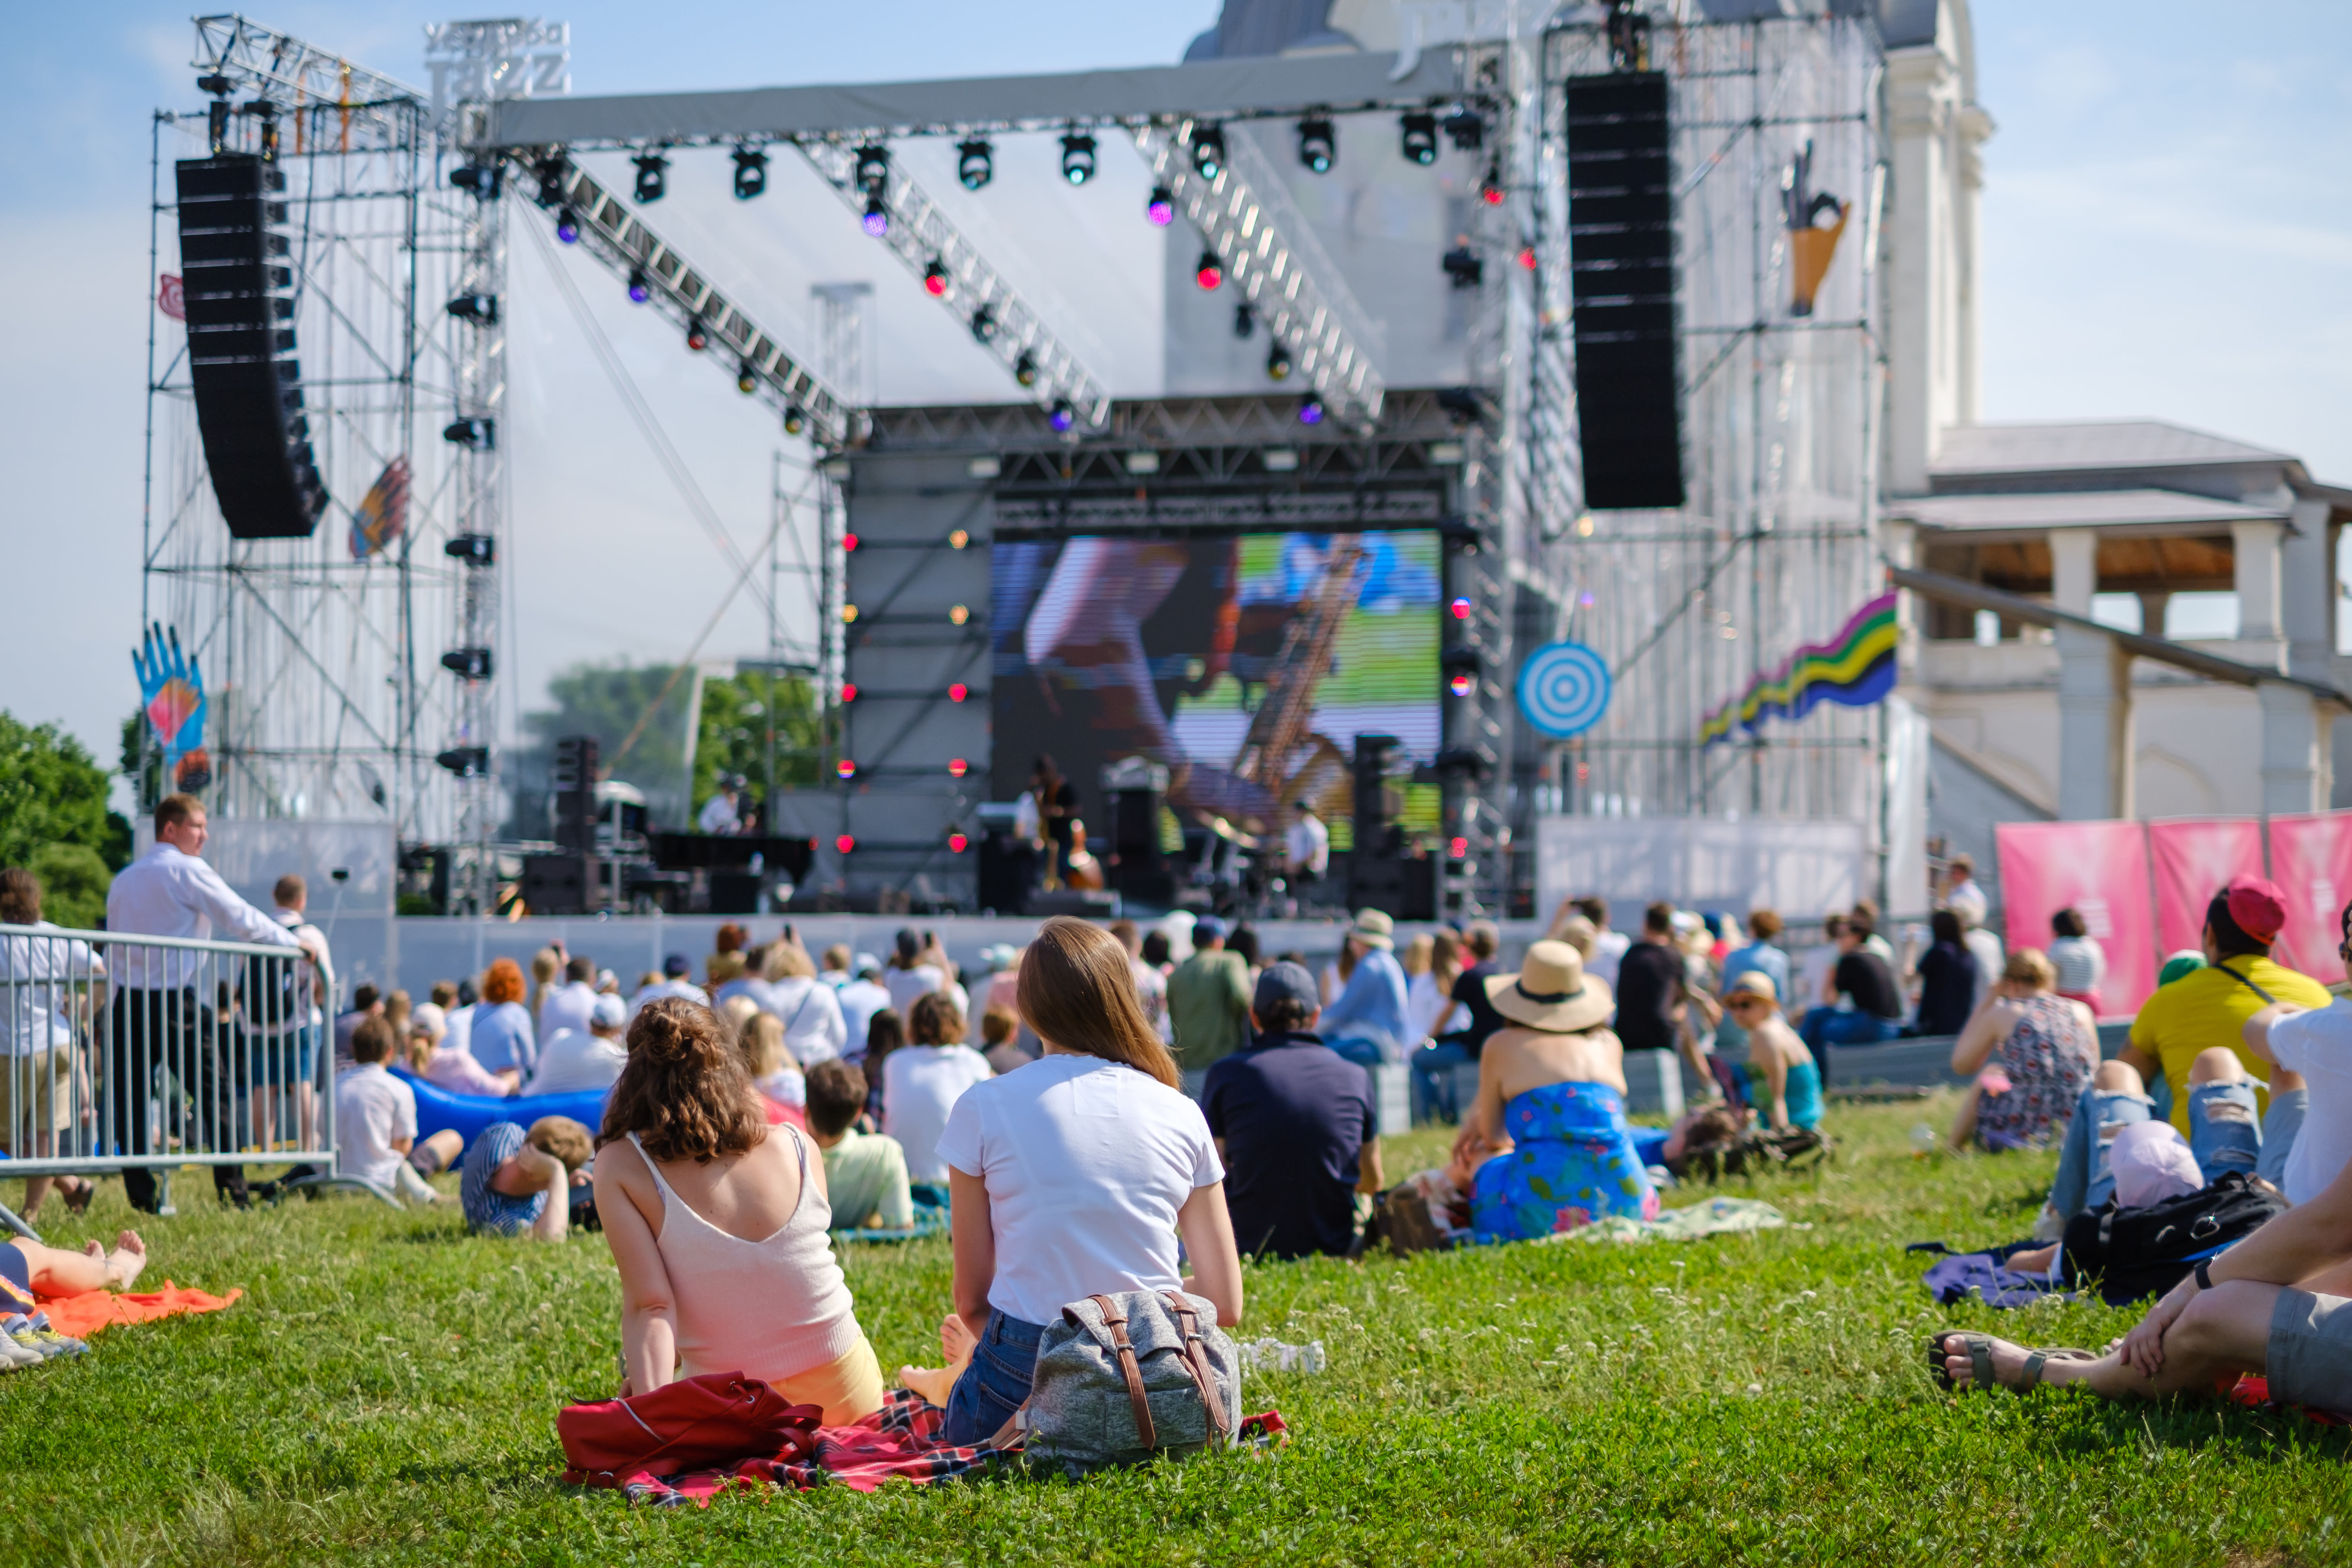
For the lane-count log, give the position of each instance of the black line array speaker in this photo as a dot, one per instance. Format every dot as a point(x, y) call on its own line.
point(238, 287)
point(1621, 283)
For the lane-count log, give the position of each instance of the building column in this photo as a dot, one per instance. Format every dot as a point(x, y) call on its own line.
point(2074, 568)
point(2255, 550)
point(2296, 739)
point(2152, 606)
point(2307, 594)
point(2095, 726)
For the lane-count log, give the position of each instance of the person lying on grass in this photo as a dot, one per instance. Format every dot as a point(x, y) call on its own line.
point(2278, 1303)
point(717, 1222)
point(517, 1181)
point(28, 1268)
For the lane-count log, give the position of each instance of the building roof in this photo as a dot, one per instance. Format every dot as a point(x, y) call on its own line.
point(2144, 508)
point(2064, 446)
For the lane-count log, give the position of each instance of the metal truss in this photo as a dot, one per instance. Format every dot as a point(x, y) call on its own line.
point(1246, 217)
point(1241, 421)
point(617, 237)
point(331, 97)
point(920, 236)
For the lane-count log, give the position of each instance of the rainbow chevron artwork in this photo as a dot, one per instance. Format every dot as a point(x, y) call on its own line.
point(1854, 668)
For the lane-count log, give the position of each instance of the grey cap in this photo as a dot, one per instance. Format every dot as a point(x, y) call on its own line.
point(610, 1012)
point(1208, 928)
point(1284, 981)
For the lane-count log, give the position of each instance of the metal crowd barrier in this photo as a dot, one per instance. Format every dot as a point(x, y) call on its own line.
point(122, 1052)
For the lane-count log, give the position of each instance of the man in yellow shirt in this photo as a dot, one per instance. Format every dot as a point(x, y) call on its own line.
point(2208, 1008)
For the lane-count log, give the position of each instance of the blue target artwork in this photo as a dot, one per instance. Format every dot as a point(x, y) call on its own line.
point(1563, 689)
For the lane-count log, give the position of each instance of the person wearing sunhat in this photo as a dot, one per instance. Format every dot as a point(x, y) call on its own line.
point(1780, 1077)
point(1549, 1120)
point(1368, 1021)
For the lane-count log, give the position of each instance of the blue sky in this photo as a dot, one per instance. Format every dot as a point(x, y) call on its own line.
point(2167, 234)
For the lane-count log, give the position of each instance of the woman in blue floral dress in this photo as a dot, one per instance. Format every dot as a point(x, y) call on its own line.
point(1549, 1120)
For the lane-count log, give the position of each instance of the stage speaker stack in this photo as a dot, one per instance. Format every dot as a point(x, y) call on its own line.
point(1136, 868)
point(1621, 283)
point(1382, 872)
point(574, 780)
point(571, 882)
point(238, 286)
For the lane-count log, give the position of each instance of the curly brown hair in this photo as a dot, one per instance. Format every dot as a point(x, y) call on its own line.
point(1077, 992)
point(935, 1020)
point(503, 982)
point(684, 1091)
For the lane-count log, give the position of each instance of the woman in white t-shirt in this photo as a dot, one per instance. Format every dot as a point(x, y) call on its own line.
point(1073, 1176)
point(922, 1080)
point(813, 1030)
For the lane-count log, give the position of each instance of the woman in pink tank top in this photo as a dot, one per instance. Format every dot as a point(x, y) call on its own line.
point(718, 1223)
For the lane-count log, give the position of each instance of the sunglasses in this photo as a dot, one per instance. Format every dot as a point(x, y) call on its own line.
point(1744, 1004)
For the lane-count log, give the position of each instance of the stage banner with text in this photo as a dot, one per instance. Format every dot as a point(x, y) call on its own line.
point(2311, 862)
point(2194, 859)
point(2097, 867)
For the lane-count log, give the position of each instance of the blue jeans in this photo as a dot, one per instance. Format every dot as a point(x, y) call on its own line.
point(2279, 1130)
point(2223, 1135)
point(996, 1383)
point(1363, 1053)
point(1433, 1082)
point(1827, 1026)
point(2083, 1180)
point(2224, 1132)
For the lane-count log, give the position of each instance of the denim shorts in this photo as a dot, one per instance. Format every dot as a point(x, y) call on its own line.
point(996, 1384)
point(2225, 1129)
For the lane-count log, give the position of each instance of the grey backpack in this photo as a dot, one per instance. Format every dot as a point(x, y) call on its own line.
point(1123, 1379)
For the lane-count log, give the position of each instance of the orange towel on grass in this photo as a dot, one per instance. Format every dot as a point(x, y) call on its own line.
point(83, 1315)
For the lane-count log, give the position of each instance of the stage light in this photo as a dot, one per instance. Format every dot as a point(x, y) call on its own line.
point(1584, 526)
point(958, 539)
point(956, 767)
point(844, 844)
point(1024, 369)
point(1528, 258)
point(1461, 685)
point(467, 761)
point(935, 278)
point(484, 180)
point(567, 227)
point(877, 221)
point(1318, 146)
point(957, 842)
point(751, 173)
point(849, 541)
point(1061, 417)
point(1208, 272)
point(984, 324)
point(849, 614)
point(474, 548)
point(1464, 270)
point(975, 164)
point(958, 692)
point(653, 176)
point(1310, 409)
point(1460, 848)
point(1077, 157)
point(1244, 321)
point(872, 172)
point(1461, 608)
point(474, 435)
point(482, 308)
point(1467, 130)
point(795, 420)
point(1417, 138)
point(1490, 186)
point(1277, 363)
point(1208, 144)
point(696, 338)
point(845, 769)
point(747, 379)
point(467, 663)
point(849, 691)
point(548, 172)
point(1161, 206)
point(958, 615)
point(641, 289)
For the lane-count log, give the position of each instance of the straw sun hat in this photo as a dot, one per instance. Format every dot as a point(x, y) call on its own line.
point(1551, 992)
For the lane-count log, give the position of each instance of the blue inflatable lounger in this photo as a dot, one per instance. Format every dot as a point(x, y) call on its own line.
point(438, 1111)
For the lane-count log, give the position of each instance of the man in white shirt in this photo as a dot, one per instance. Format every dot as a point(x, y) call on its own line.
point(860, 1000)
point(159, 1019)
point(672, 983)
point(1306, 847)
point(1963, 894)
point(570, 1005)
point(720, 813)
point(573, 1059)
point(1609, 947)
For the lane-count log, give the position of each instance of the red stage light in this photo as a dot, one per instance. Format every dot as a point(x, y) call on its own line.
point(956, 766)
point(849, 691)
point(958, 692)
point(1461, 848)
point(1209, 271)
point(844, 844)
point(1528, 258)
point(1461, 685)
point(957, 843)
point(849, 541)
point(846, 768)
point(1461, 609)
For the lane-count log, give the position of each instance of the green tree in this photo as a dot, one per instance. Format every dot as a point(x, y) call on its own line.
point(73, 884)
point(736, 719)
point(606, 701)
point(51, 795)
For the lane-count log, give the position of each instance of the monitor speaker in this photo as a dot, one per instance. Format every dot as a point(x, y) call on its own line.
point(248, 384)
point(1621, 281)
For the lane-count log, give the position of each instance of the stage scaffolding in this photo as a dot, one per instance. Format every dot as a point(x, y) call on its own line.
point(1781, 432)
point(325, 696)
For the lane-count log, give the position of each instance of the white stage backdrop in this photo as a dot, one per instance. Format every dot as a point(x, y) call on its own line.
point(1802, 869)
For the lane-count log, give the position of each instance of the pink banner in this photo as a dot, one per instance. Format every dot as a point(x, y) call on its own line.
point(2097, 867)
point(2311, 862)
point(2195, 859)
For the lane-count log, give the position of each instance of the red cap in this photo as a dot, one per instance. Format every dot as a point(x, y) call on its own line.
point(2258, 907)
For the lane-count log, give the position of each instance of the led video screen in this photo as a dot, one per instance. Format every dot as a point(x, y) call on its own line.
point(1247, 666)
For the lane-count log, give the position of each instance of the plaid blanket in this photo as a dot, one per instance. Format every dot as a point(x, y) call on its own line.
point(898, 1441)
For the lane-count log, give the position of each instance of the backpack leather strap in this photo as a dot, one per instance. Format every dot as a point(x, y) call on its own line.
point(1196, 1361)
point(1116, 1321)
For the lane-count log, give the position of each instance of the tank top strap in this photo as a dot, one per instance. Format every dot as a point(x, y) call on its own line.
point(669, 1198)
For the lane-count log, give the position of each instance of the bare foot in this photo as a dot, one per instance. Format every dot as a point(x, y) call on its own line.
point(955, 1341)
point(125, 1263)
point(934, 1383)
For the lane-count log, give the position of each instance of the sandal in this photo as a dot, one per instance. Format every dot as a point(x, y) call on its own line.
point(1980, 1374)
point(77, 1197)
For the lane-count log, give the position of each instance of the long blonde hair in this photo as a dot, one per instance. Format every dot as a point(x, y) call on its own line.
point(1077, 992)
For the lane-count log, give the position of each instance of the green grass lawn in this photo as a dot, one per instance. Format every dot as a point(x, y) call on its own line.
point(386, 1392)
